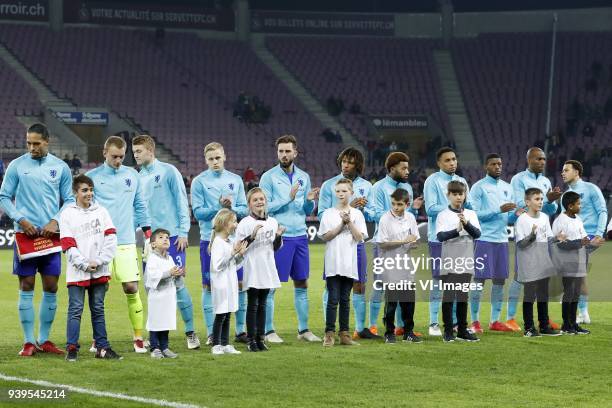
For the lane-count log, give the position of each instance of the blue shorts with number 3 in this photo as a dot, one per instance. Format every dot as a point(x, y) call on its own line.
point(179, 258)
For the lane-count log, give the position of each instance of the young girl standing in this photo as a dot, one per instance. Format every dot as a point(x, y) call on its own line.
point(224, 277)
point(262, 234)
point(161, 291)
point(342, 228)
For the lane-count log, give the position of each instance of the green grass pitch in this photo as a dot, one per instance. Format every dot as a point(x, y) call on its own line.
point(501, 370)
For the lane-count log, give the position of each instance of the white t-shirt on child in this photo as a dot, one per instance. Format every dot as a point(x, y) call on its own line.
point(571, 263)
point(258, 265)
point(525, 222)
point(533, 262)
point(448, 220)
point(341, 252)
point(572, 228)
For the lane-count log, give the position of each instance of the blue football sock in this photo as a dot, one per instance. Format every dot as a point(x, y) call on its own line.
point(497, 298)
point(46, 315)
point(207, 309)
point(435, 298)
point(325, 296)
point(399, 322)
point(583, 304)
point(475, 296)
point(301, 307)
point(455, 313)
point(270, 311)
point(26, 315)
point(241, 313)
point(185, 305)
point(375, 305)
point(514, 293)
point(359, 305)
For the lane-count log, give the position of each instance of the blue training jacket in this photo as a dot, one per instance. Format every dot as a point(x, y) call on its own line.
point(486, 197)
point(166, 197)
point(206, 190)
point(327, 195)
point(277, 185)
point(120, 192)
point(435, 194)
point(527, 179)
point(593, 210)
point(36, 189)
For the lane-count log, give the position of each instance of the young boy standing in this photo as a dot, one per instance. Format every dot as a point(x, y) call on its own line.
point(160, 277)
point(342, 228)
point(570, 258)
point(88, 238)
point(397, 233)
point(534, 265)
point(456, 229)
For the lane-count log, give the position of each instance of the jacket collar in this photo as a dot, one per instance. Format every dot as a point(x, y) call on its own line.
point(532, 174)
point(445, 175)
point(110, 170)
point(150, 168)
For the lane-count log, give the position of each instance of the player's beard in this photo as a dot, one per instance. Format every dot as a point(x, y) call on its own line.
point(286, 166)
point(400, 179)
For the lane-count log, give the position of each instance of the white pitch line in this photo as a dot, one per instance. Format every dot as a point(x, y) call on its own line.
point(80, 390)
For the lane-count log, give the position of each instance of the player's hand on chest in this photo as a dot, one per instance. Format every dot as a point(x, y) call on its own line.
point(222, 189)
point(294, 190)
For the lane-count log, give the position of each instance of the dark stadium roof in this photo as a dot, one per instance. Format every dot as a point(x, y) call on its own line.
point(397, 6)
point(423, 5)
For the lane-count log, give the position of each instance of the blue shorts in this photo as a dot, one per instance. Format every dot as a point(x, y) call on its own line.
point(46, 265)
point(435, 252)
point(493, 260)
point(292, 259)
point(362, 263)
point(205, 264)
point(179, 258)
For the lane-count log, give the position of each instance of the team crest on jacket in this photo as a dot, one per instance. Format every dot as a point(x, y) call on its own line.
point(505, 193)
point(128, 182)
point(301, 182)
point(581, 196)
point(53, 173)
point(231, 186)
point(361, 191)
point(157, 177)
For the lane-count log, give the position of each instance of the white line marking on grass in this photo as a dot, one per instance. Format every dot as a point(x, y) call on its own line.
point(80, 390)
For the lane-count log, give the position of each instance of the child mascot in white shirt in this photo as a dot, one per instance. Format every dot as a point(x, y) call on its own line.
point(225, 257)
point(262, 235)
point(161, 290)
